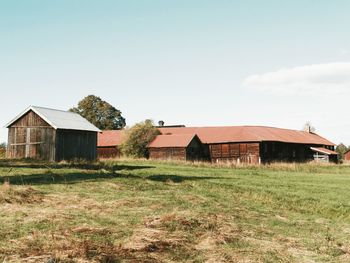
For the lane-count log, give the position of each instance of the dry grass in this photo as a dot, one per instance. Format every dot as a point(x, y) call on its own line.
point(141, 211)
point(19, 194)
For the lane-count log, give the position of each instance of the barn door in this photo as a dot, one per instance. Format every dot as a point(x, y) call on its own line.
point(32, 143)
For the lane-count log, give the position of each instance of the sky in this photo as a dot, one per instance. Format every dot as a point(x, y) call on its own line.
point(193, 62)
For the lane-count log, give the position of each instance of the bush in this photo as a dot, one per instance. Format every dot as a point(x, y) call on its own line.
point(136, 139)
point(2, 150)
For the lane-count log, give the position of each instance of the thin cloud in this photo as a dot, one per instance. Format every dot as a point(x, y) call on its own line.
point(318, 79)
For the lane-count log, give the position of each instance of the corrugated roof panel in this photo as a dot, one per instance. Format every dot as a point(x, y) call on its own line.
point(249, 134)
point(109, 138)
point(323, 150)
point(175, 140)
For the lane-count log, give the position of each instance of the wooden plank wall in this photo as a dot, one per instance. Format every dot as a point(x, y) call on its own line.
point(108, 152)
point(174, 153)
point(72, 144)
point(31, 137)
point(347, 156)
point(195, 151)
point(288, 152)
point(235, 152)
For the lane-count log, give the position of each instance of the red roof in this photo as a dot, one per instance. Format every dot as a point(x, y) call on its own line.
point(323, 150)
point(249, 134)
point(174, 140)
point(109, 138)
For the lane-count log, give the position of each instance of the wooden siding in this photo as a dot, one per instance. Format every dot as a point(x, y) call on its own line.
point(193, 152)
point(173, 153)
point(72, 144)
point(290, 152)
point(235, 152)
point(108, 152)
point(347, 156)
point(30, 119)
point(31, 137)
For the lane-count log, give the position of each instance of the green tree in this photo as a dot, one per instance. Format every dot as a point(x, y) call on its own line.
point(341, 149)
point(100, 113)
point(136, 139)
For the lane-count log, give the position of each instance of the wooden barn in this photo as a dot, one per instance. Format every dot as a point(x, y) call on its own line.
point(186, 147)
point(52, 135)
point(256, 144)
point(108, 143)
point(347, 156)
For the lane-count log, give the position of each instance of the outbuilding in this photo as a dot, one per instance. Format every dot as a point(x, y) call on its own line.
point(52, 135)
point(258, 144)
point(108, 144)
point(186, 147)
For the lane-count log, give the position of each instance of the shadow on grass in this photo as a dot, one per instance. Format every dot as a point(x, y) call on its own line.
point(72, 178)
point(35, 164)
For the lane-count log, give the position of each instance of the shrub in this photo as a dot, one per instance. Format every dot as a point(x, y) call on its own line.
point(136, 139)
point(2, 150)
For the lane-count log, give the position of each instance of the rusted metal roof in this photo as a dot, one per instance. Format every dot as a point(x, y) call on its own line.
point(224, 134)
point(59, 119)
point(109, 138)
point(323, 150)
point(174, 140)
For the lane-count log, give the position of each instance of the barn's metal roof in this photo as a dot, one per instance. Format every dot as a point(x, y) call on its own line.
point(59, 119)
point(174, 140)
point(323, 150)
point(226, 134)
point(109, 138)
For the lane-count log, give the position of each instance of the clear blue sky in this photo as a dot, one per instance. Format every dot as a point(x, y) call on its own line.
point(275, 63)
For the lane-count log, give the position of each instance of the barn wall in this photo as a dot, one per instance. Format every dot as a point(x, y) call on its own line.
point(31, 137)
point(235, 152)
point(347, 156)
point(175, 153)
point(195, 151)
point(285, 152)
point(72, 144)
point(290, 152)
point(108, 152)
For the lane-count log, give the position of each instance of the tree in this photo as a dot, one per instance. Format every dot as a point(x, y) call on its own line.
point(136, 139)
point(309, 128)
point(100, 113)
point(341, 149)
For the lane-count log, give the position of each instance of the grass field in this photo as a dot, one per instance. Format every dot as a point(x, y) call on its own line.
point(142, 211)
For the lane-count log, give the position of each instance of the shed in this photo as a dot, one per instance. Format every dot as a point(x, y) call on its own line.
point(187, 147)
point(322, 154)
point(108, 144)
point(52, 135)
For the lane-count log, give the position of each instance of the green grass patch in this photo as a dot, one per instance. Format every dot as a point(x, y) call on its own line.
point(137, 211)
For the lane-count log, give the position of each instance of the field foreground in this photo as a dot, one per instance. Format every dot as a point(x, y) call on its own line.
point(142, 211)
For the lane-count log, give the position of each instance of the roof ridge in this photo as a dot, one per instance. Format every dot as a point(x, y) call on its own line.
point(237, 126)
point(46, 108)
